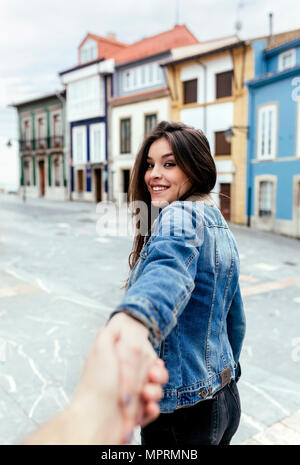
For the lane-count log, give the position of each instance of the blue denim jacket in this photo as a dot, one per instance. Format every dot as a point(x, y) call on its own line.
point(185, 289)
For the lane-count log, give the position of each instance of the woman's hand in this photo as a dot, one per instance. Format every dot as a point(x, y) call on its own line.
point(137, 360)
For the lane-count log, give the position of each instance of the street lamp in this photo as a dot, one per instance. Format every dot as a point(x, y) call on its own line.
point(229, 133)
point(9, 145)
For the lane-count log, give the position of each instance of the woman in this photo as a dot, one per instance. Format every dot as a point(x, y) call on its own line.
point(183, 291)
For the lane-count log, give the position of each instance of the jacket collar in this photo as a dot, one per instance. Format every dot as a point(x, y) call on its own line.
point(207, 199)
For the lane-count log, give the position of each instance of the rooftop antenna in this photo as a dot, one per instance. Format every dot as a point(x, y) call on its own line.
point(238, 23)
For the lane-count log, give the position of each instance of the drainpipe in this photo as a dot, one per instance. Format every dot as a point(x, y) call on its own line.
point(205, 95)
point(66, 144)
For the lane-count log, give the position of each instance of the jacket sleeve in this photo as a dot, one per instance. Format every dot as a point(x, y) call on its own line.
point(236, 327)
point(168, 269)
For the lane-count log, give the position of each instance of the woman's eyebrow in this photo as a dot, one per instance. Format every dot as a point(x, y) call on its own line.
point(163, 156)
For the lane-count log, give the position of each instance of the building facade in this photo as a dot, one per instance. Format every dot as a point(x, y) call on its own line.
point(273, 174)
point(139, 100)
point(208, 92)
point(42, 147)
point(87, 87)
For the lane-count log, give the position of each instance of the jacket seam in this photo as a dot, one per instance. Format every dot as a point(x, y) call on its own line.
point(212, 306)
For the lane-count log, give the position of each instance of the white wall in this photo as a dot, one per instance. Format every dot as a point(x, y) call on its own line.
point(136, 111)
point(9, 165)
point(85, 98)
point(213, 67)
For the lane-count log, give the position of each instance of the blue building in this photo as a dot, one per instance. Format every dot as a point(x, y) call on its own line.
point(273, 155)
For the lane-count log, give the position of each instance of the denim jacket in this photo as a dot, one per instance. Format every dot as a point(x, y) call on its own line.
point(185, 289)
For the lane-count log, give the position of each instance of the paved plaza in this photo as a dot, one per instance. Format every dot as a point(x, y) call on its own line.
point(60, 277)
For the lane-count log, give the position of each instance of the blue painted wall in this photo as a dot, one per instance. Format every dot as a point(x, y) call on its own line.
point(277, 88)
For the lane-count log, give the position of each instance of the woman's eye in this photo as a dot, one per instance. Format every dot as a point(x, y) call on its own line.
point(170, 164)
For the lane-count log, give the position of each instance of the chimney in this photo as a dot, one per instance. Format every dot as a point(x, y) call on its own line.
point(111, 35)
point(270, 29)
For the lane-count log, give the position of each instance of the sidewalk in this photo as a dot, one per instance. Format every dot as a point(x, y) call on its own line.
point(285, 432)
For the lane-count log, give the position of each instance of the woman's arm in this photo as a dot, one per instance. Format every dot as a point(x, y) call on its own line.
point(166, 282)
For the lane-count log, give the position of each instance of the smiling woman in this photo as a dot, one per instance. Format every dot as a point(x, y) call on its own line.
point(184, 289)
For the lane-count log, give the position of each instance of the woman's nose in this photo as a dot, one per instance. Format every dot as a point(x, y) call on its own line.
point(155, 172)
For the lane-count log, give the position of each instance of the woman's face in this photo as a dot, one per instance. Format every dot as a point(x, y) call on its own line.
point(164, 179)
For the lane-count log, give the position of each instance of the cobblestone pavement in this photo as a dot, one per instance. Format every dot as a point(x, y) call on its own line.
point(59, 280)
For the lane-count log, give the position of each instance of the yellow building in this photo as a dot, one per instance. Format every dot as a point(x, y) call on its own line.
point(207, 91)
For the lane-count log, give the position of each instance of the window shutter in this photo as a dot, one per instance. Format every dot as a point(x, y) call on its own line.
point(190, 91)
point(224, 84)
point(222, 147)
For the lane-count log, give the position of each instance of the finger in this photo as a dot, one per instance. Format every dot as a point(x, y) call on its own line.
point(158, 374)
point(152, 392)
point(151, 412)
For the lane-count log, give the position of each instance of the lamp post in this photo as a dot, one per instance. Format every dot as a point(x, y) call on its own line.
point(9, 145)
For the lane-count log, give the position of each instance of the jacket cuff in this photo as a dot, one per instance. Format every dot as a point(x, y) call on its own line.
point(155, 335)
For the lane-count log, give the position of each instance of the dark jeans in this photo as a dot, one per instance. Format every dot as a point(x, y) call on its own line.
point(211, 422)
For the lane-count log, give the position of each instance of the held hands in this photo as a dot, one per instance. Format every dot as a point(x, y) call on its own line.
point(120, 385)
point(141, 372)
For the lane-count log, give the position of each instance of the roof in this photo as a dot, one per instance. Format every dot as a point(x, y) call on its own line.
point(107, 47)
point(163, 42)
point(40, 98)
point(282, 38)
point(203, 47)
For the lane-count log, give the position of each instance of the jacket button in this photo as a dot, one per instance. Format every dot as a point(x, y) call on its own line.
point(202, 393)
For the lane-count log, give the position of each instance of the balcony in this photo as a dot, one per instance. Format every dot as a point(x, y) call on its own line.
point(46, 143)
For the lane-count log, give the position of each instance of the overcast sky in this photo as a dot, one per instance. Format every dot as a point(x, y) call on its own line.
point(39, 38)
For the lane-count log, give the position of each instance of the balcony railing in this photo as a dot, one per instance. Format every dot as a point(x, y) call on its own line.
point(53, 142)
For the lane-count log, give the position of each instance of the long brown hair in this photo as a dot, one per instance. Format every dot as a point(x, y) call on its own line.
point(192, 154)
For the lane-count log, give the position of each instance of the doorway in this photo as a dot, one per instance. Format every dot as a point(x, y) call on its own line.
point(42, 177)
point(80, 181)
point(126, 178)
point(225, 200)
point(98, 184)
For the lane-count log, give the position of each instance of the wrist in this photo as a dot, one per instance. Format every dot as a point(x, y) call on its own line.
point(122, 317)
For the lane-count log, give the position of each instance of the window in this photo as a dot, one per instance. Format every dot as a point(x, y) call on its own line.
point(142, 76)
point(84, 98)
point(57, 172)
point(267, 131)
point(224, 84)
point(79, 145)
point(265, 198)
point(150, 123)
point(125, 135)
point(89, 51)
point(287, 59)
point(97, 132)
point(57, 128)
point(190, 91)
point(41, 143)
point(27, 177)
point(222, 147)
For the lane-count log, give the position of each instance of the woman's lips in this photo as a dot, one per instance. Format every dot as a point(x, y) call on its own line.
point(159, 191)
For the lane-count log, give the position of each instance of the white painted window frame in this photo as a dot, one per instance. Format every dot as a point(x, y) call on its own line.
point(257, 183)
point(89, 51)
point(266, 134)
point(150, 71)
point(283, 55)
point(79, 130)
point(93, 128)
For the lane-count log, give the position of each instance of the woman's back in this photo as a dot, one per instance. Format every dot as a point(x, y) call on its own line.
point(190, 263)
